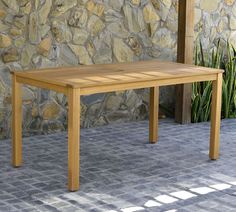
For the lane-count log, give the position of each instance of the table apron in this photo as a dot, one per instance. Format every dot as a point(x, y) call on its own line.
point(42, 84)
point(146, 84)
point(116, 87)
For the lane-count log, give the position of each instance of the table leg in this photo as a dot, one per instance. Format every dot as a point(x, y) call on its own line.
point(153, 114)
point(215, 117)
point(16, 122)
point(73, 138)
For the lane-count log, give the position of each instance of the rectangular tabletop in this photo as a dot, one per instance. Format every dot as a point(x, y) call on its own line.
point(77, 81)
point(109, 77)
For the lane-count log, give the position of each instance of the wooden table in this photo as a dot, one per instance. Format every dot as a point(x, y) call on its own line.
point(85, 80)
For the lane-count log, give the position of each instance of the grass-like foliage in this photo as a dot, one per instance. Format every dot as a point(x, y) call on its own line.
point(222, 56)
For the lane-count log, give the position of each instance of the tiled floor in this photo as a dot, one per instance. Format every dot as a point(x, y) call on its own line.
point(120, 171)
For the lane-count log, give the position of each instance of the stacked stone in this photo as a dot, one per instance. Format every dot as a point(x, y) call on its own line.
point(215, 19)
point(50, 33)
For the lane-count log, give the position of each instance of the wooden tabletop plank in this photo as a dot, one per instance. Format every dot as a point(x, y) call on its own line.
point(97, 75)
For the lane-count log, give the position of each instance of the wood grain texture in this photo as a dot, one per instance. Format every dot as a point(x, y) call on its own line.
point(73, 138)
point(153, 114)
point(215, 118)
point(114, 74)
point(145, 84)
point(61, 88)
point(16, 122)
point(185, 49)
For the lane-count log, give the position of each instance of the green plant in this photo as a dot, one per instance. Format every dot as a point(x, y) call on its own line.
point(222, 56)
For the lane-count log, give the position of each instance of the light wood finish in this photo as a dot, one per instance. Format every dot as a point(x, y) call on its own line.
point(73, 138)
point(144, 84)
point(185, 49)
point(43, 84)
point(98, 77)
point(84, 80)
point(16, 122)
point(153, 114)
point(215, 117)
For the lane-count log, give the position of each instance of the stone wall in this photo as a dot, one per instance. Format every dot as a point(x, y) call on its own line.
point(51, 33)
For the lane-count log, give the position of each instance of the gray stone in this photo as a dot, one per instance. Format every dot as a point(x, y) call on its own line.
point(132, 99)
point(163, 8)
point(80, 36)
point(25, 7)
point(163, 38)
point(232, 38)
point(50, 111)
point(27, 95)
point(209, 6)
point(134, 18)
point(19, 42)
point(45, 46)
point(12, 4)
point(27, 54)
point(67, 57)
point(104, 40)
point(121, 51)
point(5, 74)
point(62, 6)
point(5, 41)
point(116, 4)
point(112, 16)
point(234, 10)
point(95, 25)
point(118, 29)
point(44, 30)
point(61, 31)
point(78, 18)
point(149, 14)
point(15, 32)
point(98, 32)
point(197, 15)
point(90, 48)
point(134, 44)
point(42, 62)
point(44, 11)
point(113, 103)
point(81, 53)
point(34, 34)
point(118, 116)
point(232, 23)
point(21, 21)
point(10, 55)
point(4, 27)
point(103, 57)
